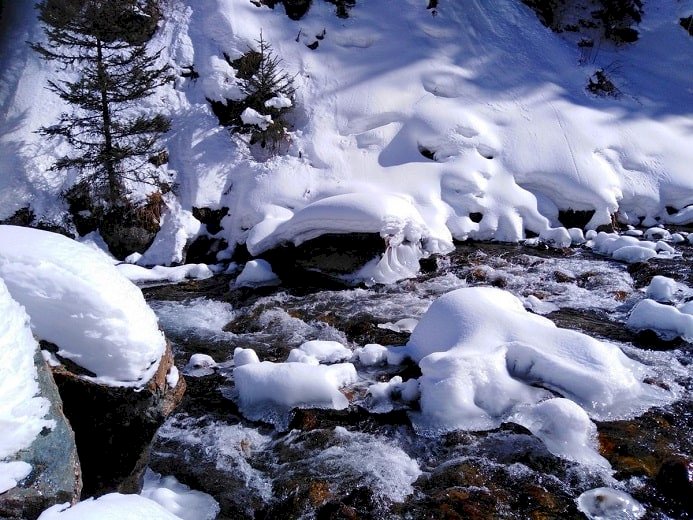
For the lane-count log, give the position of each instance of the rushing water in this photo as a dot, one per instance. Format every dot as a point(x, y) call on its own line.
point(358, 463)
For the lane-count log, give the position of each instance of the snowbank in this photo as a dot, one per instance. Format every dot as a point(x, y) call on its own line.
point(484, 360)
point(113, 506)
point(21, 408)
point(393, 104)
point(81, 303)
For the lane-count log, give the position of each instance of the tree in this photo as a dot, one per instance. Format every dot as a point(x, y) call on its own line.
point(104, 42)
point(268, 96)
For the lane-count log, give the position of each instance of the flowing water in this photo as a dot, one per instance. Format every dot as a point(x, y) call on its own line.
point(367, 461)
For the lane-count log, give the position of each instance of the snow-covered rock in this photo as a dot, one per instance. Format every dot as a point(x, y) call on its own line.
point(665, 319)
point(36, 437)
point(113, 506)
point(317, 351)
point(256, 273)
point(483, 358)
point(267, 391)
point(81, 303)
point(179, 499)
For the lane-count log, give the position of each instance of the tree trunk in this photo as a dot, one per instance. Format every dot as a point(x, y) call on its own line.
point(109, 163)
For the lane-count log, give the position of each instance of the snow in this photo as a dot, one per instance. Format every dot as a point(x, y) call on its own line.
point(177, 498)
point(256, 273)
point(22, 410)
point(81, 303)
point(317, 351)
point(178, 227)
point(279, 101)
point(160, 273)
point(253, 117)
point(371, 354)
point(383, 87)
point(172, 377)
point(484, 360)
point(113, 506)
point(663, 289)
point(266, 390)
point(627, 248)
point(11, 473)
point(565, 429)
point(609, 504)
point(244, 356)
point(665, 319)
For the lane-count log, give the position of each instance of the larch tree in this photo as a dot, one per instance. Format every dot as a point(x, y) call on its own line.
point(104, 44)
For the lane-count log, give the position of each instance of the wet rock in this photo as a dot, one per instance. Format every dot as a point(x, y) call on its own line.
point(204, 249)
point(327, 257)
point(55, 477)
point(575, 219)
point(114, 426)
point(211, 218)
point(675, 480)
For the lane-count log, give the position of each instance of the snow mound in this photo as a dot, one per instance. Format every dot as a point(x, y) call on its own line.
point(665, 319)
point(81, 303)
point(21, 409)
point(113, 506)
point(609, 504)
point(406, 236)
point(268, 391)
point(256, 273)
point(664, 290)
point(316, 351)
point(483, 358)
point(628, 248)
point(178, 498)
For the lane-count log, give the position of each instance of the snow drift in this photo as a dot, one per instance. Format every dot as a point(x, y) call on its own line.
point(81, 303)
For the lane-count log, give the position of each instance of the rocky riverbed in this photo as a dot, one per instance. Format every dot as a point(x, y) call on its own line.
point(368, 461)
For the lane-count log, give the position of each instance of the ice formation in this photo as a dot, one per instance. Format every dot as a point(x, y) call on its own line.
point(81, 303)
point(609, 504)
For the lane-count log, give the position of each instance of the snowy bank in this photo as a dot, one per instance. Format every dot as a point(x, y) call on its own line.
point(81, 303)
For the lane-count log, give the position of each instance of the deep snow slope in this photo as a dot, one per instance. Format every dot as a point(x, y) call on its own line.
point(497, 98)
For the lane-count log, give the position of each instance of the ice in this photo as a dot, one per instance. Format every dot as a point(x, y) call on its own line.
point(403, 325)
point(177, 498)
point(384, 393)
point(113, 506)
point(81, 303)
point(11, 473)
point(565, 429)
point(267, 391)
point(256, 273)
point(609, 504)
point(483, 358)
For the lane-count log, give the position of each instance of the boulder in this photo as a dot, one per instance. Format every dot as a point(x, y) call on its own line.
point(114, 426)
point(55, 477)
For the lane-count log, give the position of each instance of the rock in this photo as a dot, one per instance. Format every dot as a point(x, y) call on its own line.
point(325, 258)
point(55, 476)
point(675, 480)
point(575, 219)
point(114, 426)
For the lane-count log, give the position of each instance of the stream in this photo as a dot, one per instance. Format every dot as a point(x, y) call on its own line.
point(368, 461)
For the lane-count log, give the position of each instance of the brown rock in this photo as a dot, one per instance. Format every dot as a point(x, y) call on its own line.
point(114, 426)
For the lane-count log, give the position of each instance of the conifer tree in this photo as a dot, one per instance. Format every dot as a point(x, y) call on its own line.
point(104, 42)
